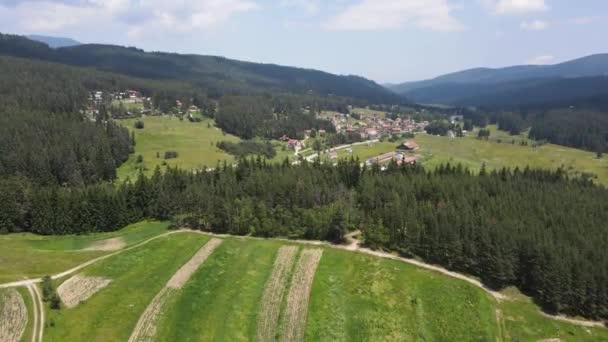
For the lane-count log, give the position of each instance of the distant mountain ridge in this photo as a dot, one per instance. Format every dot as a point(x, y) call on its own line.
point(512, 85)
point(54, 42)
point(216, 74)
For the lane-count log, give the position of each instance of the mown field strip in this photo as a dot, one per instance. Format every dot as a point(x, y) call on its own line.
point(80, 288)
point(13, 316)
point(185, 272)
point(273, 293)
point(293, 324)
point(145, 330)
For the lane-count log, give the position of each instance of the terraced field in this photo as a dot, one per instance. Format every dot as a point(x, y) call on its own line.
point(188, 286)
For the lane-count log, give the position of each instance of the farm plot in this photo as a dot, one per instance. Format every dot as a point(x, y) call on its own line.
point(137, 276)
point(13, 316)
point(222, 299)
point(80, 288)
point(145, 330)
point(294, 320)
point(273, 293)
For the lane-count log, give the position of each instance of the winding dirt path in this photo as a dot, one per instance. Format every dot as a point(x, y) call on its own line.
point(38, 312)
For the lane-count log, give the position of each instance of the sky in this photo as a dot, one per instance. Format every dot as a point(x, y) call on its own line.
point(389, 41)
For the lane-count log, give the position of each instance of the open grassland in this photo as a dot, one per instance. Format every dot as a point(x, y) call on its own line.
point(520, 320)
point(222, 299)
point(129, 105)
point(360, 297)
point(365, 152)
point(472, 153)
point(28, 255)
point(195, 143)
point(137, 277)
point(365, 112)
point(352, 296)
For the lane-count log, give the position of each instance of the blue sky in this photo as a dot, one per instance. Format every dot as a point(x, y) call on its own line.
point(385, 40)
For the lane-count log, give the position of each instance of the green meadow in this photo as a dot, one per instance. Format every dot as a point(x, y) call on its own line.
point(27, 255)
point(195, 143)
point(354, 297)
point(137, 276)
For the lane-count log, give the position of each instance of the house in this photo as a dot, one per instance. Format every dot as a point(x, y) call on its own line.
point(134, 94)
point(410, 160)
point(284, 138)
point(382, 158)
point(409, 145)
point(295, 144)
point(372, 134)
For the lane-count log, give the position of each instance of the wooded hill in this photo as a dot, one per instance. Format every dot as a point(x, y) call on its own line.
point(571, 83)
point(217, 76)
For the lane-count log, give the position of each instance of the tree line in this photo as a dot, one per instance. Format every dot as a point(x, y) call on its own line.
point(534, 229)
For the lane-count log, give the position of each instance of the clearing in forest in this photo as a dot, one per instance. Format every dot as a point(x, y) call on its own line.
point(293, 324)
point(145, 330)
point(107, 245)
point(13, 316)
point(80, 288)
point(273, 293)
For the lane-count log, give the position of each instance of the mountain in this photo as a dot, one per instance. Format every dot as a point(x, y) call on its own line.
point(217, 75)
point(54, 42)
point(514, 85)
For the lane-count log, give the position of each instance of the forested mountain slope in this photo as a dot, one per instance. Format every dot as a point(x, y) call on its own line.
point(217, 75)
point(578, 82)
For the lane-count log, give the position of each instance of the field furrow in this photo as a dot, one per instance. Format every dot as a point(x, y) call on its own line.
point(294, 320)
point(145, 330)
point(185, 272)
point(13, 316)
point(273, 293)
point(80, 288)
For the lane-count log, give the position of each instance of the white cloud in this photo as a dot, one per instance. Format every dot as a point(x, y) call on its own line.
point(374, 15)
point(515, 6)
point(309, 6)
point(535, 25)
point(136, 16)
point(542, 60)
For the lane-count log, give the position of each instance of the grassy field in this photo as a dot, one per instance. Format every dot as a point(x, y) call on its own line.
point(221, 301)
point(129, 105)
point(364, 152)
point(353, 297)
point(137, 276)
point(29, 255)
point(361, 298)
point(472, 153)
point(365, 112)
point(194, 142)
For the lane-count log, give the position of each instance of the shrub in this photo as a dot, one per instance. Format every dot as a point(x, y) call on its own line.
point(171, 154)
point(139, 124)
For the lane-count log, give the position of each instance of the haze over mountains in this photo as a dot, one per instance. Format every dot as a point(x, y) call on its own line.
point(54, 42)
point(574, 81)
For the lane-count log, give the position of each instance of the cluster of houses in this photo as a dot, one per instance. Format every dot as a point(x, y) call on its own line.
point(373, 127)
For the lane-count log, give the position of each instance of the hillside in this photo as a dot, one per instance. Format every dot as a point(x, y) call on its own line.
point(217, 75)
point(183, 285)
point(577, 81)
point(54, 42)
